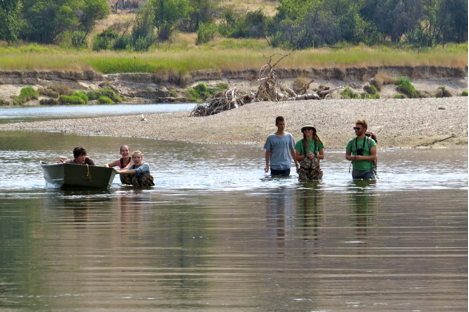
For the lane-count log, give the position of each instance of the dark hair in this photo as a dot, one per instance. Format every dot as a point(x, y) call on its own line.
point(362, 123)
point(78, 151)
point(279, 119)
point(316, 140)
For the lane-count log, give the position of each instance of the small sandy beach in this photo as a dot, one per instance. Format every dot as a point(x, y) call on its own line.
point(397, 123)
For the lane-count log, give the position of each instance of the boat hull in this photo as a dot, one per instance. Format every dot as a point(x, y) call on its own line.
point(73, 175)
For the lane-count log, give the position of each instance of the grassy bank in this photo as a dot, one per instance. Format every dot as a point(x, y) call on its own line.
point(226, 55)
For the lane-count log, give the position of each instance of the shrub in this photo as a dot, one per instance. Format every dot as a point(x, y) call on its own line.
point(442, 92)
point(404, 86)
point(72, 99)
point(49, 102)
point(399, 96)
point(105, 100)
point(206, 32)
point(4, 102)
point(464, 93)
point(61, 89)
point(347, 93)
point(81, 95)
point(382, 79)
point(48, 92)
point(122, 42)
point(79, 40)
point(26, 95)
point(93, 95)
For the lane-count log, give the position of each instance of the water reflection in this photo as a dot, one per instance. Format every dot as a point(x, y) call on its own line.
point(363, 207)
point(310, 210)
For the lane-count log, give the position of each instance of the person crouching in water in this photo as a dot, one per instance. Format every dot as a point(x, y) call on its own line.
point(138, 174)
point(361, 151)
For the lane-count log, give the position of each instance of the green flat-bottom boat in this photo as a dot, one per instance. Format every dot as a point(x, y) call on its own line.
point(73, 175)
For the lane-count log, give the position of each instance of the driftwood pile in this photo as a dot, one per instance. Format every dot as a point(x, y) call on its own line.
point(269, 89)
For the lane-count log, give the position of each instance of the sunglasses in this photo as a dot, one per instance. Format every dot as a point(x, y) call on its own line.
point(308, 129)
point(357, 128)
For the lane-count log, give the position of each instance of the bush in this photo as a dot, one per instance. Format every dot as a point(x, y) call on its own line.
point(399, 96)
point(4, 102)
point(48, 92)
point(105, 100)
point(72, 99)
point(79, 40)
point(61, 89)
point(26, 95)
point(201, 91)
point(81, 95)
point(404, 86)
point(206, 32)
point(122, 42)
point(143, 44)
point(442, 92)
point(464, 93)
point(49, 102)
point(93, 95)
point(96, 94)
point(347, 93)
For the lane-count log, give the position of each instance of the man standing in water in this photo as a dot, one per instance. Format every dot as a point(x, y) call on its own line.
point(362, 152)
point(280, 150)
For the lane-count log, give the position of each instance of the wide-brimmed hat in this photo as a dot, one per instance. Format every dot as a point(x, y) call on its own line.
point(307, 125)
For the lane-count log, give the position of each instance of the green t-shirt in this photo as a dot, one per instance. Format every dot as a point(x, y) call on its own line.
point(311, 146)
point(361, 164)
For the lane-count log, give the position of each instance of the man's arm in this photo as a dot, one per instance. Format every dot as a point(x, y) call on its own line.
point(293, 155)
point(267, 159)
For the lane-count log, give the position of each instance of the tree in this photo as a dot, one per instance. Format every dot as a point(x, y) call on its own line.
point(168, 15)
point(90, 11)
point(203, 12)
point(44, 20)
point(8, 22)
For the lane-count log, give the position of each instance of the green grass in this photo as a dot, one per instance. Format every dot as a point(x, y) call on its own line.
point(72, 99)
point(464, 93)
point(228, 55)
point(26, 94)
point(406, 87)
point(105, 100)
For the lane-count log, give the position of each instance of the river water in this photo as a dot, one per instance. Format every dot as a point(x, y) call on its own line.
point(217, 234)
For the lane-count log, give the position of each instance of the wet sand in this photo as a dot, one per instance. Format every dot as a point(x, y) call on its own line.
point(397, 123)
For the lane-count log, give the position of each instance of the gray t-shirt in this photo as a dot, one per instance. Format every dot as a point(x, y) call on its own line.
point(279, 147)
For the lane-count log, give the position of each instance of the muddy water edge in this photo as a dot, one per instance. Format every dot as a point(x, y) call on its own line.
point(216, 234)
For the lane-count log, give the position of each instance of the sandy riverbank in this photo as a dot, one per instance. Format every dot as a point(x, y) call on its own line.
point(397, 123)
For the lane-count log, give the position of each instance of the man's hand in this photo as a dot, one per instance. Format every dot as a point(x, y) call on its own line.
point(266, 169)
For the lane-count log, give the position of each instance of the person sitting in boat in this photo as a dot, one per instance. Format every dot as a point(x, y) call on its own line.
point(79, 155)
point(137, 174)
point(125, 162)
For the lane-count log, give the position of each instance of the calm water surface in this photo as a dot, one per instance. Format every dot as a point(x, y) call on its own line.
point(216, 234)
point(22, 114)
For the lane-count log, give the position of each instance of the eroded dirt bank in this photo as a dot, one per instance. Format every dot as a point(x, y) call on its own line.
point(169, 87)
point(397, 123)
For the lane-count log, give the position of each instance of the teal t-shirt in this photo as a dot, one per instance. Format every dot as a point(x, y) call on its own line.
point(311, 146)
point(361, 164)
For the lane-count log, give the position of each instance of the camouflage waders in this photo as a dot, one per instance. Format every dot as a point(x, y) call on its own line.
point(144, 180)
point(309, 169)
